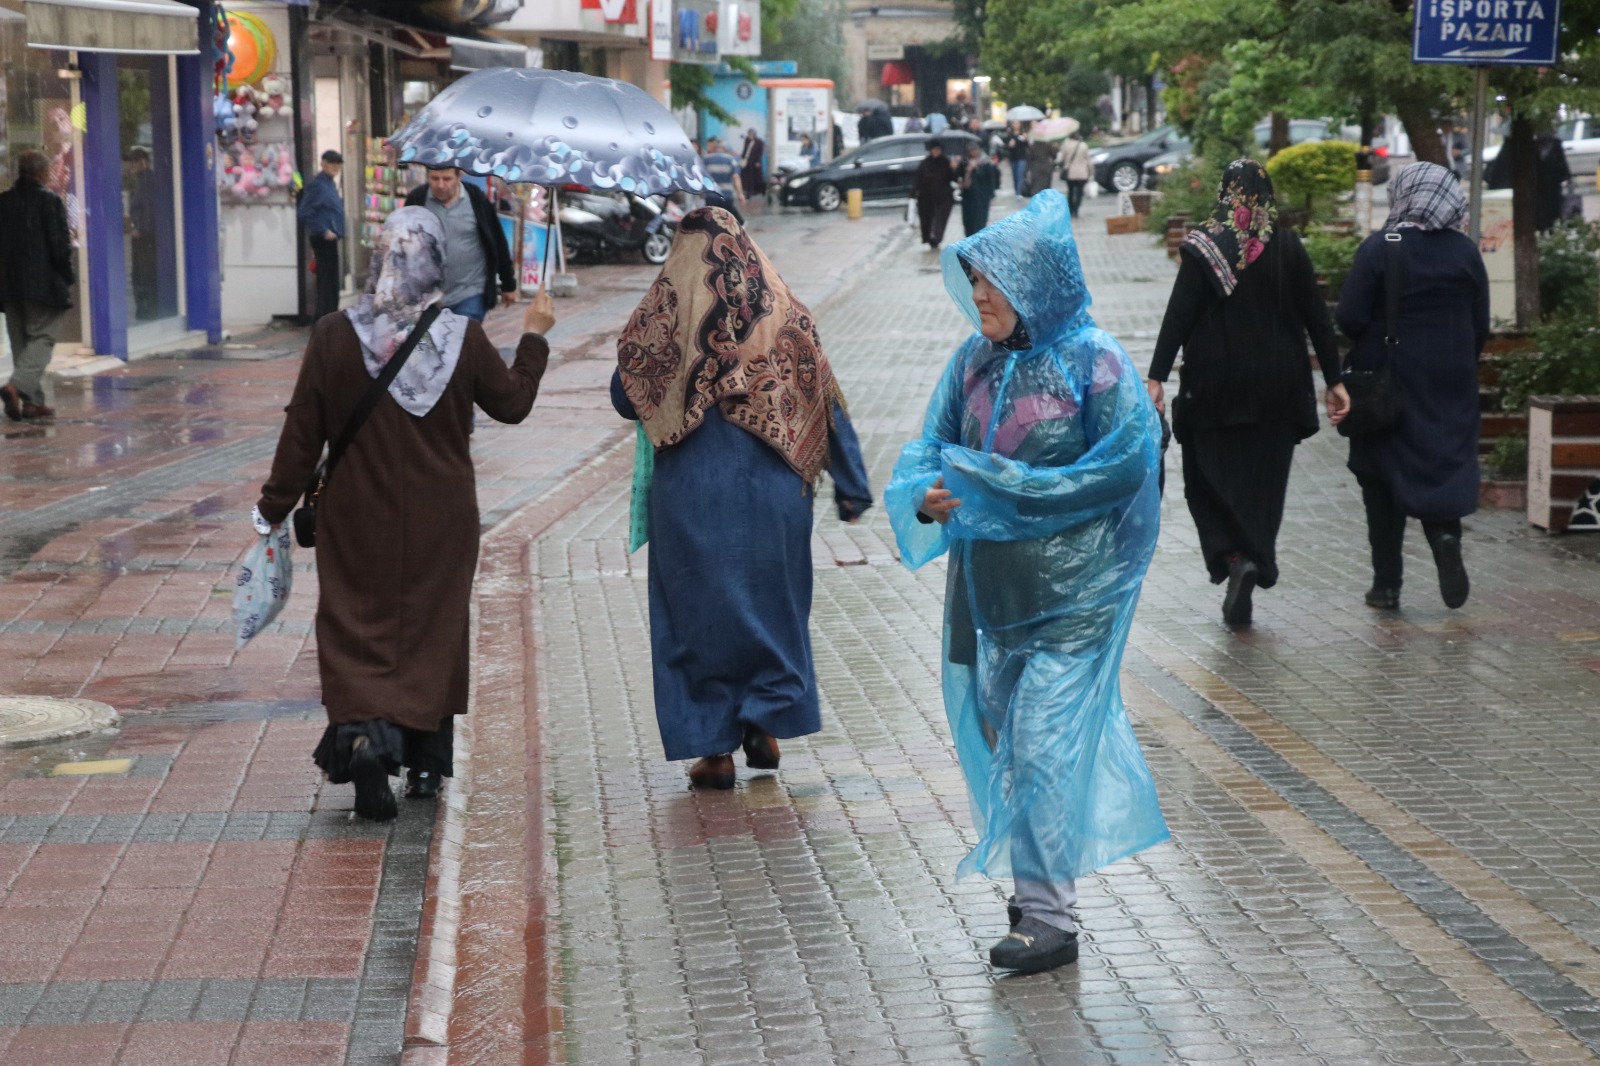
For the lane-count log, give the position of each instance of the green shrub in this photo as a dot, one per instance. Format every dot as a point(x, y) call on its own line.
point(1310, 176)
point(1332, 254)
point(1508, 459)
point(1192, 188)
point(1568, 363)
point(1569, 270)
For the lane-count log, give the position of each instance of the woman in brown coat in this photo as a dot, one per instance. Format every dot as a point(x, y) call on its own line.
point(397, 527)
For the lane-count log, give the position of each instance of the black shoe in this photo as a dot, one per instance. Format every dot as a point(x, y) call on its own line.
point(374, 798)
point(1013, 912)
point(1383, 598)
point(1242, 576)
point(760, 750)
point(423, 784)
point(11, 397)
point(1453, 584)
point(1033, 947)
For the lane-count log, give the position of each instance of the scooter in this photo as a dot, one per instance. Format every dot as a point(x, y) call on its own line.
point(601, 225)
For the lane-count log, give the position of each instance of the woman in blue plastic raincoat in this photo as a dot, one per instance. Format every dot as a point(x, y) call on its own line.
point(1037, 471)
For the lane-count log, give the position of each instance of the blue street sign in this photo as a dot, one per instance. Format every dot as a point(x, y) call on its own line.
point(1486, 32)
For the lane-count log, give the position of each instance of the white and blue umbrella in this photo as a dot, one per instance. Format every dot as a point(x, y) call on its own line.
point(554, 127)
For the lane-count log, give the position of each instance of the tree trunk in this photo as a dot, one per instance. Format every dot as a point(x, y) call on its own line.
point(1423, 129)
point(1524, 219)
point(1278, 138)
point(1150, 102)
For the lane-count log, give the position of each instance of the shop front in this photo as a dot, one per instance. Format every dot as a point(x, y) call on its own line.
point(113, 91)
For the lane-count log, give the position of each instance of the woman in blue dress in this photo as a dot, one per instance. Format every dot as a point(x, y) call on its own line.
point(1037, 471)
point(721, 365)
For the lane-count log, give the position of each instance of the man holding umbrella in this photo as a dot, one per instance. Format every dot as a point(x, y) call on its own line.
point(477, 259)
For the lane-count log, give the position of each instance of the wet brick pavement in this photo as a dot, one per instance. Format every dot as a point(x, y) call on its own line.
point(1384, 846)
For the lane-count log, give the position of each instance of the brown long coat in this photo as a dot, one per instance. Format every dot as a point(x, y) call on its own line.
point(397, 524)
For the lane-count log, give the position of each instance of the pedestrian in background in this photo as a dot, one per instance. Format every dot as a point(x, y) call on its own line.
point(809, 151)
point(1243, 304)
point(980, 180)
point(397, 527)
point(721, 167)
point(875, 122)
point(736, 457)
point(936, 122)
point(914, 124)
point(477, 261)
point(36, 279)
point(1076, 169)
point(753, 165)
point(1016, 149)
point(321, 215)
point(1041, 166)
point(933, 193)
point(1036, 471)
point(1427, 466)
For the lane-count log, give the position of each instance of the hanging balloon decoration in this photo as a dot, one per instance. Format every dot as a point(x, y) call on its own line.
point(253, 49)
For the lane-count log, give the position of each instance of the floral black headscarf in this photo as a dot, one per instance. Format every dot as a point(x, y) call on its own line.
point(1239, 227)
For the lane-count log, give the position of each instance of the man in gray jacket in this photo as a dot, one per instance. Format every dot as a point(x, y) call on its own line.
point(36, 278)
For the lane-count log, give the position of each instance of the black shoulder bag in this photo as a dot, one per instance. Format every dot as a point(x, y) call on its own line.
point(305, 517)
point(1375, 400)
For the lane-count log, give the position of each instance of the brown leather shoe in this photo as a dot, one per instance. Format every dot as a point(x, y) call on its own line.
point(11, 397)
point(760, 750)
point(713, 771)
point(37, 410)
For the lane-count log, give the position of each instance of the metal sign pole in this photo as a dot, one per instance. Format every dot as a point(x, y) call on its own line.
point(1480, 123)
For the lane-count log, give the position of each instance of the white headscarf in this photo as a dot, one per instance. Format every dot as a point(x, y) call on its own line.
point(407, 278)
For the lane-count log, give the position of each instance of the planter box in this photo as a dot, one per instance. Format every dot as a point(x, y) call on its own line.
point(1177, 229)
point(1503, 495)
point(1141, 200)
point(1117, 225)
point(1563, 456)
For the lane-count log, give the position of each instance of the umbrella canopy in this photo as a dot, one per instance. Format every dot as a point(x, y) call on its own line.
point(872, 104)
point(1024, 113)
point(1054, 129)
point(553, 127)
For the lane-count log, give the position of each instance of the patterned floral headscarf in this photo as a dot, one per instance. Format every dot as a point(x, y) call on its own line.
point(719, 326)
point(407, 278)
point(1239, 227)
point(1426, 196)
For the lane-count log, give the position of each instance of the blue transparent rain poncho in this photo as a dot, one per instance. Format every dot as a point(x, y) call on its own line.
point(1054, 452)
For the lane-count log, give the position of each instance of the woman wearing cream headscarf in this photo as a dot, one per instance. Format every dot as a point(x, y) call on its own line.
point(722, 365)
point(397, 526)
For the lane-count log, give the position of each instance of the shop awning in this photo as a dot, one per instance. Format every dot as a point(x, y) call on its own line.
point(897, 73)
point(163, 27)
point(477, 54)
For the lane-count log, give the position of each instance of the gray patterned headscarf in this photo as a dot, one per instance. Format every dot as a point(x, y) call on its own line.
point(1426, 196)
point(407, 278)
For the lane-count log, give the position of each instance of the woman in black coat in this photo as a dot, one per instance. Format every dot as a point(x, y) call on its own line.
point(933, 193)
point(1427, 467)
point(1243, 304)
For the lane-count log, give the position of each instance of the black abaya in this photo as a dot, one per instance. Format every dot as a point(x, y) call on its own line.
point(934, 197)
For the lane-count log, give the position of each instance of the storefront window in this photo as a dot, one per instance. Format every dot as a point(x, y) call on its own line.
point(148, 222)
point(36, 112)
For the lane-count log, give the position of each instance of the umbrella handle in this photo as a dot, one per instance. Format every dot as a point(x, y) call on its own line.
point(549, 222)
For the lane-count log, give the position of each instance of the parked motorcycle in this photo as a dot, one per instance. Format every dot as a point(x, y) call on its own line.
point(602, 225)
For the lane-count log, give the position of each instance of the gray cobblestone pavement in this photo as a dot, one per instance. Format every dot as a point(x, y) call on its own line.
point(1383, 827)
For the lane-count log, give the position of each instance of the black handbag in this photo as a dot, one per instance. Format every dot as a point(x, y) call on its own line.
point(1376, 403)
point(305, 516)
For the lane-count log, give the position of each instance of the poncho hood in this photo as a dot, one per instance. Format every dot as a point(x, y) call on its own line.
point(1032, 257)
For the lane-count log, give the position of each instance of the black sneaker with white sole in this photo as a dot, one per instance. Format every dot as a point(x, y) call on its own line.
point(1033, 947)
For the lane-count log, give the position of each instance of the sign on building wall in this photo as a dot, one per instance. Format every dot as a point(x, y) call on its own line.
point(661, 30)
point(739, 28)
point(625, 12)
point(1486, 32)
point(694, 30)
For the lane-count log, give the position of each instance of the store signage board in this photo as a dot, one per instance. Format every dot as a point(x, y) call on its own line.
point(694, 30)
point(617, 11)
point(661, 30)
point(1487, 32)
point(739, 28)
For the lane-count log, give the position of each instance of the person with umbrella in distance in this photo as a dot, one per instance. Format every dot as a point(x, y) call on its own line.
point(875, 121)
point(933, 193)
point(477, 265)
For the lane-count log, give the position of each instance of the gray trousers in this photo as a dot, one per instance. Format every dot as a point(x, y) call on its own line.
point(32, 330)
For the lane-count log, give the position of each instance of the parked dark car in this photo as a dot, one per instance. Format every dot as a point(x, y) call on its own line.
point(1120, 167)
point(883, 169)
point(1301, 130)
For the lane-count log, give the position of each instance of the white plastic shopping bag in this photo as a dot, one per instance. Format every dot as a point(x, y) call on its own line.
point(262, 586)
point(911, 213)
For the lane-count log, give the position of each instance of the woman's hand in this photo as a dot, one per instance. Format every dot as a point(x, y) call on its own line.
point(1158, 394)
point(541, 314)
point(938, 503)
point(1338, 401)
